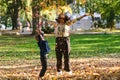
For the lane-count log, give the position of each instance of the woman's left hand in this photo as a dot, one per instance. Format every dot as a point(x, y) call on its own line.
point(87, 14)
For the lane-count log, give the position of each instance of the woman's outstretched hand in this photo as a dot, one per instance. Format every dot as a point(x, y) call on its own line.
point(87, 14)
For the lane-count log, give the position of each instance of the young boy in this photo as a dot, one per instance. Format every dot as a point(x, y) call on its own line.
point(44, 49)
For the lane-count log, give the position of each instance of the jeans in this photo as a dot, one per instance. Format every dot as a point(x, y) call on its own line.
point(63, 49)
point(43, 59)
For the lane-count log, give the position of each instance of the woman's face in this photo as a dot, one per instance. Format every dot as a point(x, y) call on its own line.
point(61, 18)
point(61, 21)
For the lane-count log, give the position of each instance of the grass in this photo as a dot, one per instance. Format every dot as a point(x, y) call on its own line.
point(88, 45)
point(14, 47)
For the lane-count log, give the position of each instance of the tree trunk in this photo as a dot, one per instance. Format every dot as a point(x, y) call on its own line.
point(14, 14)
point(35, 19)
point(110, 19)
point(6, 23)
point(14, 22)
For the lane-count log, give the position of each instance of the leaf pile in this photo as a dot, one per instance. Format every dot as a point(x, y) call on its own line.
point(82, 68)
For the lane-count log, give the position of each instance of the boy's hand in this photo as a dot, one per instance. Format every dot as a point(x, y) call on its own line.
point(37, 31)
point(41, 16)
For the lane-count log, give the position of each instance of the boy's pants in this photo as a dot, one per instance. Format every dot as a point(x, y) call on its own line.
point(43, 59)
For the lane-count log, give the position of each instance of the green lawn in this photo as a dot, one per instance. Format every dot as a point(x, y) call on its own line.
point(14, 47)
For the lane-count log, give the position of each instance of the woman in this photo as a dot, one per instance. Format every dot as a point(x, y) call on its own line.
point(62, 33)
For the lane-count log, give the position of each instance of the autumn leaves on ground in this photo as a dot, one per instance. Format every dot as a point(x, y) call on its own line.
point(82, 68)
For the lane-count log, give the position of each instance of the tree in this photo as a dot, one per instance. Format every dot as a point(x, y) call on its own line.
point(35, 14)
point(38, 5)
point(13, 9)
point(3, 16)
point(109, 9)
point(26, 13)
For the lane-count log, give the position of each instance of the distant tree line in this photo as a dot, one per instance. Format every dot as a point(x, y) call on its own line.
point(29, 10)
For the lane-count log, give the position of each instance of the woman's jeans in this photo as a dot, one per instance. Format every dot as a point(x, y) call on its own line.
point(63, 49)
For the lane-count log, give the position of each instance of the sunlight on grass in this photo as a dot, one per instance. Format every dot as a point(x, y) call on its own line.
point(82, 45)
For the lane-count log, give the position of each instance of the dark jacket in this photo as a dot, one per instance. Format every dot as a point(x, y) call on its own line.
point(43, 45)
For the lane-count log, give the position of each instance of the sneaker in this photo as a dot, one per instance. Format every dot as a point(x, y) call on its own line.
point(59, 73)
point(69, 73)
point(40, 78)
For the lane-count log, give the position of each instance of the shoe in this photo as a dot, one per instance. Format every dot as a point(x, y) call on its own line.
point(59, 73)
point(40, 78)
point(69, 73)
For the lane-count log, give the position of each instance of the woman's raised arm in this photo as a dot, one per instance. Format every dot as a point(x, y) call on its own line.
point(75, 20)
point(49, 22)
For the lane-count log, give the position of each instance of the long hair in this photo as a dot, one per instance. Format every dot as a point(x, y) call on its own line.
point(62, 17)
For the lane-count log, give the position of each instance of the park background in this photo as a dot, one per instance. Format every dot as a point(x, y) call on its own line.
point(95, 49)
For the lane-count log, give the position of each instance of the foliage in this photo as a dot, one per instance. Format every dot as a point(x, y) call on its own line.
point(26, 12)
point(3, 10)
point(10, 9)
point(48, 8)
point(107, 8)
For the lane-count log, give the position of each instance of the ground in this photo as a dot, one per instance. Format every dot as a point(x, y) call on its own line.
point(82, 68)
